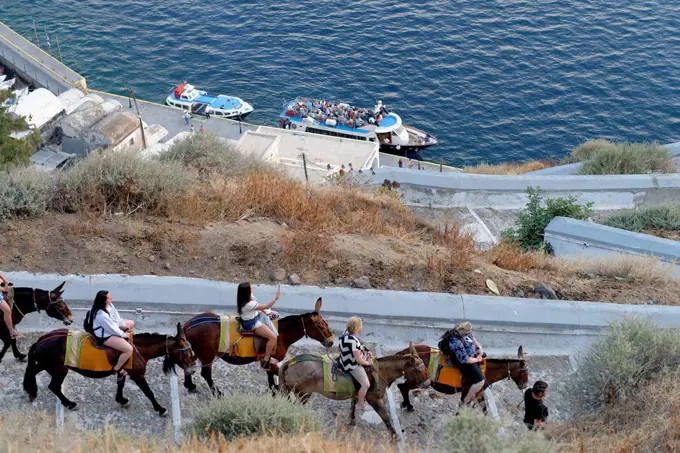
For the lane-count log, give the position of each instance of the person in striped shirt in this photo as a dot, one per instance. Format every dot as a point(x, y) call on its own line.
point(354, 357)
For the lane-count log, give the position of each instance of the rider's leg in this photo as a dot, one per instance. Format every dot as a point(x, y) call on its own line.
point(119, 344)
point(359, 373)
point(267, 333)
point(7, 316)
point(474, 373)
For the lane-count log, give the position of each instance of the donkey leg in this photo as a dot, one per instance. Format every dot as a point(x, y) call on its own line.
point(189, 382)
point(4, 350)
point(405, 388)
point(120, 399)
point(353, 413)
point(379, 405)
point(206, 372)
point(272, 385)
point(144, 387)
point(55, 386)
point(17, 355)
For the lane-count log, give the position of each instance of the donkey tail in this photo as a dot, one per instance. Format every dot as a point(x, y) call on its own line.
point(30, 384)
point(282, 380)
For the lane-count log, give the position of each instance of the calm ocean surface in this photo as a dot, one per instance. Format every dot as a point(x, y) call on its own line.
point(493, 80)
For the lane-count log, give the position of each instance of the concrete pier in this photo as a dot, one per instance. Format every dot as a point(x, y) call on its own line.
point(35, 65)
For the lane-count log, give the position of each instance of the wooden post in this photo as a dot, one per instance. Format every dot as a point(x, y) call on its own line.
point(176, 414)
point(491, 405)
point(59, 411)
point(441, 165)
point(139, 115)
point(304, 163)
point(59, 49)
point(393, 411)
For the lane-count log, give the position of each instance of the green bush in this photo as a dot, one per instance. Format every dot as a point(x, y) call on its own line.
point(211, 156)
point(665, 217)
point(536, 216)
point(602, 157)
point(25, 192)
point(472, 432)
point(249, 415)
point(122, 181)
point(633, 351)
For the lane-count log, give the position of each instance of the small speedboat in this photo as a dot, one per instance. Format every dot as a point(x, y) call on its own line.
point(18, 94)
point(186, 96)
point(7, 84)
point(342, 120)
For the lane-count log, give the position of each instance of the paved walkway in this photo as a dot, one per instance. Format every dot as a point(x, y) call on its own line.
point(172, 119)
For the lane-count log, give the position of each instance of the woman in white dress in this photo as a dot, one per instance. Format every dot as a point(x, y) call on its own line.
point(252, 318)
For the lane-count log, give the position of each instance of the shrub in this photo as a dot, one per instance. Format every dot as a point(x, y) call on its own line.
point(249, 415)
point(535, 217)
point(211, 156)
point(665, 217)
point(471, 431)
point(615, 367)
point(587, 150)
point(511, 256)
point(509, 168)
point(25, 192)
point(110, 182)
point(624, 158)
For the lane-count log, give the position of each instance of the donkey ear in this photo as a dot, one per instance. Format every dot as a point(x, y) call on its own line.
point(58, 288)
point(411, 348)
point(180, 331)
point(317, 307)
point(520, 353)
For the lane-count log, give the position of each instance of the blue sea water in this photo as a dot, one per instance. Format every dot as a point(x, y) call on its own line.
point(493, 80)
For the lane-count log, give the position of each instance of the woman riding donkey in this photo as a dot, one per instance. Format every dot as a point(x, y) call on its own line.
point(253, 318)
point(354, 356)
point(465, 352)
point(107, 327)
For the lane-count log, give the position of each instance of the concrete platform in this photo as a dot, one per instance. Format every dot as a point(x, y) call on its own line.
point(35, 65)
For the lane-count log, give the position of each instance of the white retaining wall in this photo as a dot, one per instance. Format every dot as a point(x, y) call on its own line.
point(449, 190)
point(392, 318)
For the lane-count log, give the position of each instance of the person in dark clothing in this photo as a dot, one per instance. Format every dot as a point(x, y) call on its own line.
point(535, 411)
point(466, 353)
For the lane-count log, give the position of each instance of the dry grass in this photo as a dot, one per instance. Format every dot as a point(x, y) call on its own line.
point(304, 249)
point(35, 431)
point(637, 269)
point(511, 256)
point(650, 421)
point(510, 168)
point(273, 195)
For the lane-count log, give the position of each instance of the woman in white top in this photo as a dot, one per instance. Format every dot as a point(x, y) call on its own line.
point(253, 319)
point(104, 322)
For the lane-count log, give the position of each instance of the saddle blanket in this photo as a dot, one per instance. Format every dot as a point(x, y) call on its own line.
point(232, 343)
point(342, 384)
point(442, 372)
point(83, 353)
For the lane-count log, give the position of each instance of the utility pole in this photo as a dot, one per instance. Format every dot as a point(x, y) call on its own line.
point(35, 29)
point(139, 115)
point(59, 49)
point(304, 163)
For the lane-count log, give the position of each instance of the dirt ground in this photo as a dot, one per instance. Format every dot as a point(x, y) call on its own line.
point(97, 408)
point(262, 251)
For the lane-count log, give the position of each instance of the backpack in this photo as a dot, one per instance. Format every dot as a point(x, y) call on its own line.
point(88, 324)
point(444, 343)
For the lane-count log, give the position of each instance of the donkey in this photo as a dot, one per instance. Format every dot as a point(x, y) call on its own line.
point(304, 375)
point(203, 332)
point(28, 300)
point(496, 370)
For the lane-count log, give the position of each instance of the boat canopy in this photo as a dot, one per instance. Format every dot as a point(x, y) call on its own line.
point(389, 123)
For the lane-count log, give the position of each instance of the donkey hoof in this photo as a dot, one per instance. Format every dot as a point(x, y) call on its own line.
point(21, 358)
point(124, 402)
point(71, 406)
point(192, 389)
point(163, 412)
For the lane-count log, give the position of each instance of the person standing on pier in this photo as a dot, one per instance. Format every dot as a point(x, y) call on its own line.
point(191, 128)
point(187, 118)
point(202, 130)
